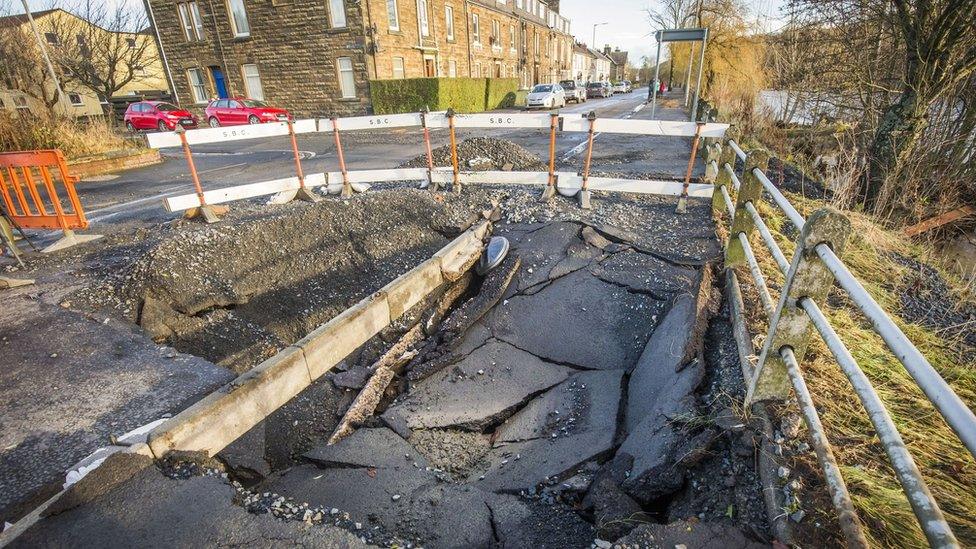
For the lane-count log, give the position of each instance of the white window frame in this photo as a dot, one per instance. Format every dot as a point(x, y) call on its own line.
point(345, 93)
point(393, 15)
point(452, 68)
point(199, 96)
point(339, 22)
point(423, 19)
point(496, 34)
point(449, 22)
point(476, 28)
point(511, 37)
point(249, 89)
point(234, 24)
point(402, 68)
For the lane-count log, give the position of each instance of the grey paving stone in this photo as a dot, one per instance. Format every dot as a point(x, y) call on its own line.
point(460, 396)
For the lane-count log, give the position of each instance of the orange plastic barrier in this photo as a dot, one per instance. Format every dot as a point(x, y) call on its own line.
point(23, 177)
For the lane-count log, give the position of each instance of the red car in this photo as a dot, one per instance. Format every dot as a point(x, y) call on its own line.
point(232, 112)
point(157, 115)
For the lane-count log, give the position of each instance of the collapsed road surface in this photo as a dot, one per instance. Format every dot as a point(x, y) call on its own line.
point(578, 405)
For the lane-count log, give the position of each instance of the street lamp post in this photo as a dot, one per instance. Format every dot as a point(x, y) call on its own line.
point(593, 45)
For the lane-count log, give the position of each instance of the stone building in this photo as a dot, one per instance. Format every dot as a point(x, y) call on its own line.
point(317, 57)
point(618, 64)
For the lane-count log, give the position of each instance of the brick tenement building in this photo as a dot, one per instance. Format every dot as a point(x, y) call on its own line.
point(317, 57)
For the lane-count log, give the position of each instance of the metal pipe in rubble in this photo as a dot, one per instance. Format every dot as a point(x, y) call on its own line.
point(553, 123)
point(683, 199)
point(454, 153)
point(589, 149)
point(346, 188)
point(430, 152)
point(189, 162)
point(298, 159)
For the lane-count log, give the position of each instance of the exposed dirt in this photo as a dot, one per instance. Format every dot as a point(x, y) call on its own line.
point(499, 155)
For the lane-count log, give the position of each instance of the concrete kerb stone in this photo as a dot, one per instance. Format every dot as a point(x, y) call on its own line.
point(336, 339)
point(411, 288)
point(229, 412)
point(462, 252)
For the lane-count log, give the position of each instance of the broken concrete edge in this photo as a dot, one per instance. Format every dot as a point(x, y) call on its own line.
point(30, 519)
point(227, 413)
point(768, 465)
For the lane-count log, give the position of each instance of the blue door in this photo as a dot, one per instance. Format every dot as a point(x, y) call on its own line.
point(218, 78)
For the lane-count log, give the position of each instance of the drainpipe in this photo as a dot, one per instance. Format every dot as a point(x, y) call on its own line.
point(220, 49)
point(371, 34)
point(162, 51)
point(467, 27)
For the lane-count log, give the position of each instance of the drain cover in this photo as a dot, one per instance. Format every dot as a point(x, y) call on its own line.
point(493, 255)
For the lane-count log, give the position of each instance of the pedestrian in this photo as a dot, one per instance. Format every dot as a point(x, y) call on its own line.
point(663, 87)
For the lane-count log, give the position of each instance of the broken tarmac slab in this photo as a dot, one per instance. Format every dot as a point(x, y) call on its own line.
point(689, 533)
point(578, 320)
point(647, 274)
point(495, 379)
point(152, 510)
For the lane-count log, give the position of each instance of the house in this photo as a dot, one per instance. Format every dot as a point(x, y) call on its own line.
point(600, 69)
point(26, 85)
point(318, 57)
point(618, 64)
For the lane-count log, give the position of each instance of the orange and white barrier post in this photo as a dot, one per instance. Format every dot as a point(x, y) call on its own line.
point(550, 190)
point(303, 192)
point(454, 152)
point(346, 187)
point(683, 199)
point(207, 212)
point(22, 171)
point(584, 194)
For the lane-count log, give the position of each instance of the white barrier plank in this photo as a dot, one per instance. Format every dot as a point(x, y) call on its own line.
point(378, 176)
point(240, 192)
point(643, 127)
point(502, 120)
point(667, 188)
point(160, 140)
point(405, 120)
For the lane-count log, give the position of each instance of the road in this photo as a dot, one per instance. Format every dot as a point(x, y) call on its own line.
point(136, 195)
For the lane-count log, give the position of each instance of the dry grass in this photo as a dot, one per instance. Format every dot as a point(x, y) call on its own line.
point(75, 138)
point(946, 465)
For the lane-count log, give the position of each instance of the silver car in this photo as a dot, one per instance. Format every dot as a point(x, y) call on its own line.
point(546, 96)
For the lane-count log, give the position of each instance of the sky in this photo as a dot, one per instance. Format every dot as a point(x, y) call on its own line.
point(628, 26)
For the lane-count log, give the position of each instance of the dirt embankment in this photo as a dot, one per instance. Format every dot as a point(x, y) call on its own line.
point(237, 292)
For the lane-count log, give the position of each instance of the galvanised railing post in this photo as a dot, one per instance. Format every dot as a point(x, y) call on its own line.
point(750, 191)
point(790, 326)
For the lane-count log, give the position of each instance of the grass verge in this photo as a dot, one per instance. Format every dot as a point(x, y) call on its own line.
point(946, 465)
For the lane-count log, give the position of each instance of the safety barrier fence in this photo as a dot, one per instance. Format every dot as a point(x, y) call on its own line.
point(346, 181)
point(29, 182)
point(814, 268)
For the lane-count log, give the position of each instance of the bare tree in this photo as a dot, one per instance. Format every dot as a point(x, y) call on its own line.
point(104, 48)
point(670, 14)
point(22, 67)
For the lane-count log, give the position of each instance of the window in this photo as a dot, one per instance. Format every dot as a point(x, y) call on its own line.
point(252, 82)
point(520, 4)
point(75, 99)
point(195, 76)
point(476, 27)
point(422, 18)
point(496, 34)
point(20, 102)
point(337, 13)
point(398, 67)
point(449, 22)
point(452, 68)
point(393, 15)
point(139, 70)
point(190, 20)
point(131, 42)
point(347, 80)
point(537, 44)
point(238, 18)
point(52, 38)
point(511, 37)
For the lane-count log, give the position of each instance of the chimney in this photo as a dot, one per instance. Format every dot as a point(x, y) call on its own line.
point(606, 48)
point(553, 5)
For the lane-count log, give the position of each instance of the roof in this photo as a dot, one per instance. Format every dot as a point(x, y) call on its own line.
point(599, 55)
point(618, 57)
point(21, 18)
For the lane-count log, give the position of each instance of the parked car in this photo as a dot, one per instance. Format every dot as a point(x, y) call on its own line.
point(233, 112)
point(575, 91)
point(157, 115)
point(598, 89)
point(619, 87)
point(628, 86)
point(546, 96)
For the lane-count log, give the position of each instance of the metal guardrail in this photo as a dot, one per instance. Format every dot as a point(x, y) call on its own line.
point(820, 267)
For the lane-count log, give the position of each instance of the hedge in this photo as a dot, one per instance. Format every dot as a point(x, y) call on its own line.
point(460, 94)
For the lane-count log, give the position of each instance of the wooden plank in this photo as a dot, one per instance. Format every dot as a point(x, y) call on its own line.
point(939, 220)
point(201, 136)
